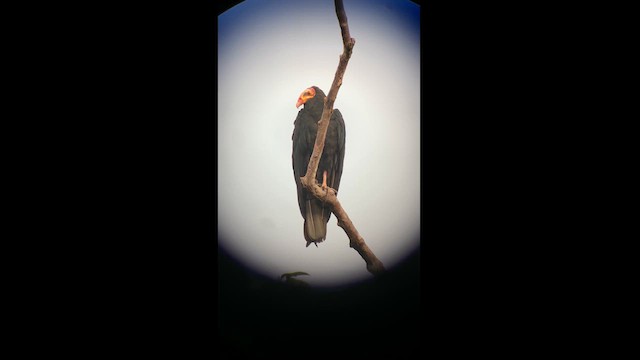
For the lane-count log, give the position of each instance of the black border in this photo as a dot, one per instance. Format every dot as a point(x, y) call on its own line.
point(138, 82)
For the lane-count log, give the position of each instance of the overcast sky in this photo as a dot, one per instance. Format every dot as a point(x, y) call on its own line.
point(269, 51)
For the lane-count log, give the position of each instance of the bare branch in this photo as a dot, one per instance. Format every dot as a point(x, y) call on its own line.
point(309, 182)
point(323, 124)
point(344, 26)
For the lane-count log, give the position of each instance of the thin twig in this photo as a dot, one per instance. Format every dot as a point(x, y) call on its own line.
point(374, 265)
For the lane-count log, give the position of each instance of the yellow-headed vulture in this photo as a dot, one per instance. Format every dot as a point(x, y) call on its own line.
point(315, 213)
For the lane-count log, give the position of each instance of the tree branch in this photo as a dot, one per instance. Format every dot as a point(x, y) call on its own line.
point(309, 181)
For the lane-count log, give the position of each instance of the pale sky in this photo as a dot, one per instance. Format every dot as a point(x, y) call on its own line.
point(269, 51)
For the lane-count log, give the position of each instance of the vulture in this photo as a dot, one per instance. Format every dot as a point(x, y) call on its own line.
point(314, 211)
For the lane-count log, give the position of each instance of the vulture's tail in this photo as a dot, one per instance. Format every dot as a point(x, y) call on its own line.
point(315, 223)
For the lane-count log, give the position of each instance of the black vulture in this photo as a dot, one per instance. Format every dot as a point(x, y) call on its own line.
point(316, 214)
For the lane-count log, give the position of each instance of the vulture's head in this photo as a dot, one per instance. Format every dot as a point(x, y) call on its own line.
point(312, 95)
